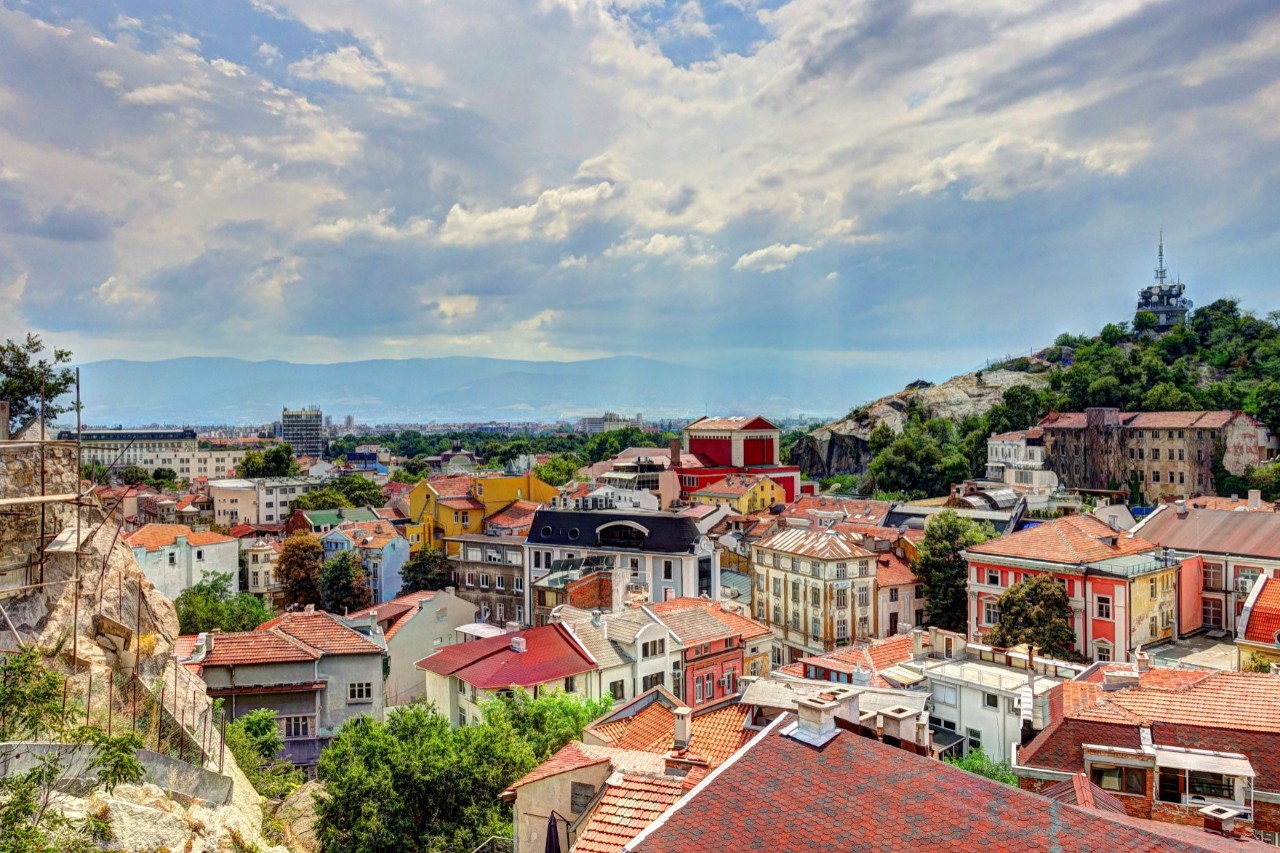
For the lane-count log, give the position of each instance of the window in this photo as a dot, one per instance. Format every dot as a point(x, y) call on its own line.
point(864, 568)
point(653, 648)
point(537, 559)
point(990, 612)
point(990, 700)
point(580, 795)
point(1102, 606)
point(517, 584)
point(815, 627)
point(617, 690)
point(1155, 454)
point(697, 689)
point(484, 580)
point(864, 626)
point(777, 614)
point(1246, 577)
point(668, 570)
point(815, 596)
point(795, 590)
point(993, 577)
point(1155, 476)
point(466, 518)
point(842, 628)
point(1152, 587)
point(296, 727)
point(760, 611)
point(1213, 576)
point(1212, 612)
point(864, 596)
point(777, 586)
point(500, 583)
point(1120, 780)
point(502, 612)
point(1011, 706)
point(975, 738)
point(650, 681)
point(520, 613)
point(842, 571)
point(360, 691)
point(471, 579)
point(173, 559)
point(842, 598)
point(893, 594)
point(919, 594)
point(1102, 651)
point(570, 684)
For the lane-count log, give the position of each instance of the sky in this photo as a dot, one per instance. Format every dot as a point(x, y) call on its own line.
point(883, 188)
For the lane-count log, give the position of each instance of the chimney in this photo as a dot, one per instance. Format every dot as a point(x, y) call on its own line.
point(684, 718)
point(595, 617)
point(512, 627)
point(675, 453)
point(917, 644)
point(1113, 521)
point(1141, 661)
point(817, 719)
point(1255, 499)
point(1219, 819)
point(310, 608)
point(517, 644)
point(1180, 507)
point(850, 704)
point(1119, 679)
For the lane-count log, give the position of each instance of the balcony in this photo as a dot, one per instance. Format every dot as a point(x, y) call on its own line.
point(301, 752)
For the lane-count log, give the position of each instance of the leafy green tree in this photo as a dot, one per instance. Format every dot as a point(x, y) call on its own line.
point(30, 818)
point(603, 446)
point(1145, 321)
point(416, 783)
point(1037, 612)
point(557, 470)
point(99, 475)
point(326, 498)
point(548, 722)
point(1267, 404)
point(343, 585)
point(277, 461)
point(1167, 397)
point(358, 491)
point(134, 475)
point(255, 741)
point(23, 370)
point(1112, 334)
point(298, 569)
point(881, 437)
point(428, 569)
point(977, 761)
point(943, 570)
point(213, 604)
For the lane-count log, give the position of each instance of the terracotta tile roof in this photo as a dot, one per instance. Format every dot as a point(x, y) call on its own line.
point(865, 795)
point(396, 613)
point(1079, 791)
point(466, 502)
point(892, 570)
point(819, 544)
point(388, 513)
point(153, 537)
point(1231, 504)
point(551, 653)
point(1212, 531)
point(715, 733)
point(257, 647)
point(631, 801)
point(450, 485)
point(575, 755)
point(1016, 435)
point(735, 623)
point(1264, 616)
point(518, 513)
point(855, 510)
point(732, 486)
point(873, 657)
point(733, 424)
point(321, 631)
point(1071, 540)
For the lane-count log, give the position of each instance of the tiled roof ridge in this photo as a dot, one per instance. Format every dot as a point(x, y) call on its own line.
point(295, 641)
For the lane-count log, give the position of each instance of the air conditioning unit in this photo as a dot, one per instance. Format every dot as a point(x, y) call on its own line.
point(1243, 585)
point(928, 707)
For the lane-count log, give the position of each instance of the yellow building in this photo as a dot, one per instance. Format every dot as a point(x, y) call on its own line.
point(452, 504)
point(743, 493)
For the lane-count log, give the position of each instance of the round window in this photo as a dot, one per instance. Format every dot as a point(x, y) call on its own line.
point(546, 532)
point(573, 533)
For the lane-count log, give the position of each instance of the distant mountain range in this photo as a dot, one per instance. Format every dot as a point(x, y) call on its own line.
point(235, 391)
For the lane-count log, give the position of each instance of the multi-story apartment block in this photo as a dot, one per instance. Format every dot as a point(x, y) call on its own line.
point(265, 500)
point(379, 549)
point(714, 447)
point(610, 421)
point(175, 558)
point(1124, 590)
point(446, 506)
point(665, 553)
point(174, 509)
point(815, 589)
point(1235, 547)
point(314, 669)
point(260, 557)
point(303, 430)
point(1166, 453)
point(488, 572)
point(742, 493)
point(176, 449)
point(1017, 459)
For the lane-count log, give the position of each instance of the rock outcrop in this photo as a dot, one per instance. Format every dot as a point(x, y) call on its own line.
point(841, 447)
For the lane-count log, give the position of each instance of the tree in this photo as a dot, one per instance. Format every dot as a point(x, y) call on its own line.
point(428, 569)
point(326, 498)
point(30, 818)
point(977, 761)
point(164, 475)
point(414, 782)
point(944, 571)
point(1256, 663)
point(134, 475)
point(298, 569)
point(343, 585)
point(557, 470)
point(548, 722)
point(358, 491)
point(1144, 321)
point(277, 461)
point(212, 604)
point(99, 475)
point(22, 381)
point(1037, 612)
point(255, 741)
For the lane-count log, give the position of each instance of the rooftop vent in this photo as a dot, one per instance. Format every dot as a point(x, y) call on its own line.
point(517, 644)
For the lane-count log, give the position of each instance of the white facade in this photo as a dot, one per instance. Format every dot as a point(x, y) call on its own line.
point(1019, 461)
point(181, 565)
point(265, 500)
point(430, 628)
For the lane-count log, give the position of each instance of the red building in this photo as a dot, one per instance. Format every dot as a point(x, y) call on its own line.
point(736, 445)
point(717, 647)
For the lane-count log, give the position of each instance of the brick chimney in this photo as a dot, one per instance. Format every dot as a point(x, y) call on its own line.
point(675, 453)
point(684, 728)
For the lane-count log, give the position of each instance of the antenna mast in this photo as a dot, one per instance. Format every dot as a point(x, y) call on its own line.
point(1162, 274)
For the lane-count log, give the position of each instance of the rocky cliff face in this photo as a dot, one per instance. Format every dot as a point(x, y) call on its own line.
point(105, 627)
point(841, 447)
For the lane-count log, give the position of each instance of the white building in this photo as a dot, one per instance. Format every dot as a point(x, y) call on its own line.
point(265, 500)
point(413, 625)
point(177, 449)
point(1018, 459)
point(634, 649)
point(175, 558)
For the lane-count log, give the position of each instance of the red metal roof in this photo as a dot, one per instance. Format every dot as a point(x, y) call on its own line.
point(551, 653)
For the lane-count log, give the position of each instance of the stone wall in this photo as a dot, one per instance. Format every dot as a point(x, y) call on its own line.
point(20, 526)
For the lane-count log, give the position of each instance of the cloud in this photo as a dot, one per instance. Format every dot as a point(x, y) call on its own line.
point(269, 54)
point(345, 67)
point(552, 216)
point(771, 258)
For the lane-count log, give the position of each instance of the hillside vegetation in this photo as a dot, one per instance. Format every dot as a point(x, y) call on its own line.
point(1223, 358)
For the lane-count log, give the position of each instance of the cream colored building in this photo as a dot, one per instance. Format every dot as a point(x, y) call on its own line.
point(267, 500)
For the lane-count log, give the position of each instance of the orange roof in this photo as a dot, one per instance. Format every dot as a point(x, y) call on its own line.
point(450, 485)
point(321, 631)
point(1235, 504)
point(394, 614)
point(575, 755)
point(1246, 701)
point(515, 514)
point(259, 646)
point(873, 657)
point(892, 570)
point(731, 424)
point(629, 804)
point(715, 734)
point(1264, 616)
point(1071, 540)
point(856, 510)
point(735, 624)
point(153, 537)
